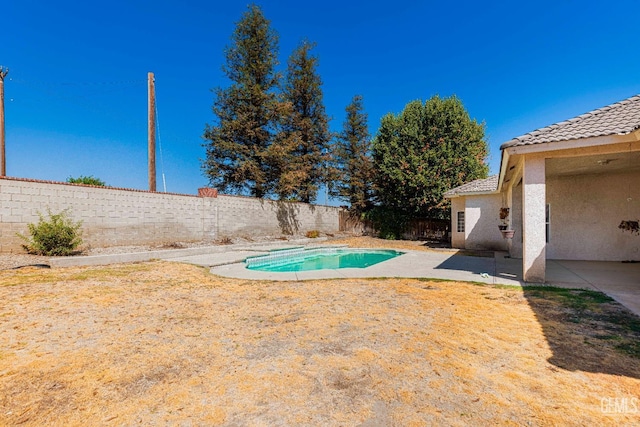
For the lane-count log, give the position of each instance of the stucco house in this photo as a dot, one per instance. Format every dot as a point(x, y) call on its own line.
point(567, 187)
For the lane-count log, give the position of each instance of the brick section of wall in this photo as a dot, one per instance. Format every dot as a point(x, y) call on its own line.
point(207, 192)
point(113, 216)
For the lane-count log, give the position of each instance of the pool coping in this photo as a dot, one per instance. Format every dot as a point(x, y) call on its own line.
point(411, 264)
point(106, 259)
point(286, 256)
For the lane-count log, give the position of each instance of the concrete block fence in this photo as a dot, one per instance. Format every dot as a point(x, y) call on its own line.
point(116, 216)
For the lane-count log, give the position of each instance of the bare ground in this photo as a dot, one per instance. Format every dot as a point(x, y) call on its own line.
point(169, 344)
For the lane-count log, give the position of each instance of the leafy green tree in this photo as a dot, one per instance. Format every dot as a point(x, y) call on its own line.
point(246, 112)
point(352, 170)
point(87, 180)
point(299, 152)
point(424, 151)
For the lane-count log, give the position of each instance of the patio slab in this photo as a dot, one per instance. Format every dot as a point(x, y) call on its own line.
point(217, 259)
point(618, 280)
point(621, 281)
point(418, 264)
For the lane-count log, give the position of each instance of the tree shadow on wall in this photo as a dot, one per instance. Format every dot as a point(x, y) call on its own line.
point(287, 215)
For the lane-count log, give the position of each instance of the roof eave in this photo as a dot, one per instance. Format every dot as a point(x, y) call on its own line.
point(567, 144)
point(504, 162)
point(471, 193)
point(508, 144)
point(624, 104)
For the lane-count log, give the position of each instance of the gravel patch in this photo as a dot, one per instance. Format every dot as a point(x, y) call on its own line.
point(9, 261)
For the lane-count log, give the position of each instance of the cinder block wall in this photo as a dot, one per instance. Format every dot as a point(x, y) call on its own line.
point(114, 216)
point(246, 216)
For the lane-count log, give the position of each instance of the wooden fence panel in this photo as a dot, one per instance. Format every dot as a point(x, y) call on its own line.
point(428, 229)
point(417, 229)
point(349, 223)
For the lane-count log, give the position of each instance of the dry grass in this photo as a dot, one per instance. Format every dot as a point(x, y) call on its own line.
point(165, 344)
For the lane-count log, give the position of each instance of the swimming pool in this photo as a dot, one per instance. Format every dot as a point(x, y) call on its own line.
point(319, 259)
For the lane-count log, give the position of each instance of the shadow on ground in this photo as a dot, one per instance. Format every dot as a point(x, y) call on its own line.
point(437, 244)
point(472, 264)
point(480, 264)
point(587, 330)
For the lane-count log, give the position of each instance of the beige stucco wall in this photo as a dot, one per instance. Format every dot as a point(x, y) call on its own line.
point(585, 213)
point(533, 219)
point(586, 208)
point(457, 239)
point(482, 217)
point(516, 221)
point(113, 217)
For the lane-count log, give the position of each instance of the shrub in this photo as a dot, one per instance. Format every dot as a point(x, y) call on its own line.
point(390, 224)
point(313, 234)
point(53, 236)
point(86, 180)
point(226, 240)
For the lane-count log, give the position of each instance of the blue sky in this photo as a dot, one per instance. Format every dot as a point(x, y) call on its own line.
point(76, 94)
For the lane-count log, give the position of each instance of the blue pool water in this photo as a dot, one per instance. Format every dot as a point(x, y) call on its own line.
point(323, 259)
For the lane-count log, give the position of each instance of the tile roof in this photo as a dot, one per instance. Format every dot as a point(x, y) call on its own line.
point(486, 185)
point(620, 118)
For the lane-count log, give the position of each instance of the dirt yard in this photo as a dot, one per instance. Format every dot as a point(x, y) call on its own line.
point(169, 344)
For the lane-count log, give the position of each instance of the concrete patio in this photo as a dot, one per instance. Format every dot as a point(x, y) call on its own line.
point(620, 281)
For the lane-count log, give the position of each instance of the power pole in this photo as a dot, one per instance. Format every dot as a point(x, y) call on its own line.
point(3, 161)
point(152, 132)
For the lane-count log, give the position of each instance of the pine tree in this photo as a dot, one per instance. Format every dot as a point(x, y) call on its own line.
point(299, 152)
point(246, 112)
point(352, 163)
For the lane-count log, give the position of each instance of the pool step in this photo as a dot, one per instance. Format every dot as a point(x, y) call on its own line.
point(285, 256)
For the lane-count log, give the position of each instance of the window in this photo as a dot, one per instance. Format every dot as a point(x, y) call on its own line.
point(461, 222)
point(547, 222)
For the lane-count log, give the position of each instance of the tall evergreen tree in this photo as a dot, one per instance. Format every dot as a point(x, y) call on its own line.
point(299, 152)
point(352, 163)
point(246, 112)
point(424, 151)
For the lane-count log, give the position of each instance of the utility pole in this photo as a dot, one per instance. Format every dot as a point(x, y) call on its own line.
point(152, 132)
point(3, 161)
